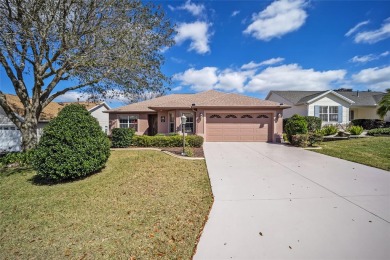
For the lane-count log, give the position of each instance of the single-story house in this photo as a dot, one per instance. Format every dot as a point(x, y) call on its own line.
point(10, 137)
point(217, 116)
point(332, 106)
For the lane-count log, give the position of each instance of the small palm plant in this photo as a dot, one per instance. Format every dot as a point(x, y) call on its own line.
point(384, 105)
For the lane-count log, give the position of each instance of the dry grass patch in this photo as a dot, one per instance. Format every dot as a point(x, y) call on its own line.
point(374, 151)
point(144, 205)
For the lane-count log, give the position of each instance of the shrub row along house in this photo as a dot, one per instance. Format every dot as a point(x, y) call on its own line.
point(332, 106)
point(10, 137)
point(214, 115)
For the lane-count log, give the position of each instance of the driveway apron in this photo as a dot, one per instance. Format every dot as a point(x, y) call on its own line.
point(279, 202)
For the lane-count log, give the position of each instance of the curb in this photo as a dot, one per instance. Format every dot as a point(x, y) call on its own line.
point(158, 150)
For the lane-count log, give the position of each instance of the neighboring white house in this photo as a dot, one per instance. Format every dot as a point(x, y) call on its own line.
point(10, 136)
point(331, 106)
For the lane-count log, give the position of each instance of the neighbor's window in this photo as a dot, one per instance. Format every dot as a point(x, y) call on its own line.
point(189, 127)
point(130, 121)
point(329, 113)
point(172, 122)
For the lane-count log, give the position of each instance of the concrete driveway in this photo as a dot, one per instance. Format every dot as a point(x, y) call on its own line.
point(278, 202)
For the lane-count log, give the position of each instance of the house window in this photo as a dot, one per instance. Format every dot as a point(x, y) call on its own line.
point(215, 116)
point(329, 113)
point(262, 116)
point(130, 121)
point(246, 116)
point(172, 122)
point(189, 127)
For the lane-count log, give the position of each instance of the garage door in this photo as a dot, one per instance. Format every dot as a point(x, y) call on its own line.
point(238, 127)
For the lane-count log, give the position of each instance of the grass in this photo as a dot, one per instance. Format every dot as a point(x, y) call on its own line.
point(143, 205)
point(374, 151)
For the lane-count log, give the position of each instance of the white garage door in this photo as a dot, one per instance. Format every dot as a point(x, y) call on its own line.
point(238, 127)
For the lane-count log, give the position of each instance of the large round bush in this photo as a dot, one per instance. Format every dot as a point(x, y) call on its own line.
point(295, 125)
point(72, 146)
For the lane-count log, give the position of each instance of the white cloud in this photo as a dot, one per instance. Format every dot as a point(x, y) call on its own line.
point(253, 65)
point(199, 80)
point(235, 12)
point(356, 27)
point(373, 78)
point(72, 96)
point(229, 80)
point(279, 18)
point(197, 33)
point(193, 8)
point(178, 88)
point(283, 77)
point(369, 57)
point(293, 77)
point(376, 35)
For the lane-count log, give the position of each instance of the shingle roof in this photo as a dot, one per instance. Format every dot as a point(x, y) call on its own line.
point(49, 112)
point(211, 98)
point(365, 98)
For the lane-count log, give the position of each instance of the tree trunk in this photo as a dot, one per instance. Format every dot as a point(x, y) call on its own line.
point(29, 133)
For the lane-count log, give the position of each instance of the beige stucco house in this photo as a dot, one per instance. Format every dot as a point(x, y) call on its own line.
point(217, 116)
point(331, 106)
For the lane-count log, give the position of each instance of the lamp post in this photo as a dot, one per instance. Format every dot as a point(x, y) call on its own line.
point(183, 127)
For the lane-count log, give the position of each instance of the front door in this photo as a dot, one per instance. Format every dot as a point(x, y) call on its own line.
point(152, 121)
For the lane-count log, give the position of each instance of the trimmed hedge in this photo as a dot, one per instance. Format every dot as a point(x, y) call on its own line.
point(369, 124)
point(167, 141)
point(295, 125)
point(379, 131)
point(72, 146)
point(313, 123)
point(122, 137)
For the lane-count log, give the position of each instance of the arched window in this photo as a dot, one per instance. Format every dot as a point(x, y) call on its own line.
point(262, 116)
point(215, 116)
point(246, 116)
point(230, 116)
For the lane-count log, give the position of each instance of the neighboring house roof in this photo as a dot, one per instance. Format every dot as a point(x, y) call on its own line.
point(211, 98)
point(361, 98)
point(52, 109)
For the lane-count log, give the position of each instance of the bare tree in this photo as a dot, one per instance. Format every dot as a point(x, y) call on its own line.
point(138, 97)
point(102, 46)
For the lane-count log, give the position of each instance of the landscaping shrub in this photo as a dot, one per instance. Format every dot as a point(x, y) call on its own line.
point(19, 158)
point(313, 123)
point(194, 140)
point(167, 141)
point(300, 140)
point(122, 137)
point(295, 125)
point(315, 138)
point(189, 151)
point(379, 131)
point(369, 124)
point(329, 130)
point(355, 130)
point(72, 146)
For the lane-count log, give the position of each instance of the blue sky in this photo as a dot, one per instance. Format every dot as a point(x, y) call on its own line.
point(252, 47)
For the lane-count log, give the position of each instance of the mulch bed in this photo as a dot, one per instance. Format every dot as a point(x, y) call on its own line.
point(198, 152)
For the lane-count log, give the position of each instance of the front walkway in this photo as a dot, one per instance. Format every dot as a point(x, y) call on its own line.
point(280, 202)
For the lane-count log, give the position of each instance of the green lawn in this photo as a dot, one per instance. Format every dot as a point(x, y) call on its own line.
point(374, 151)
point(143, 205)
